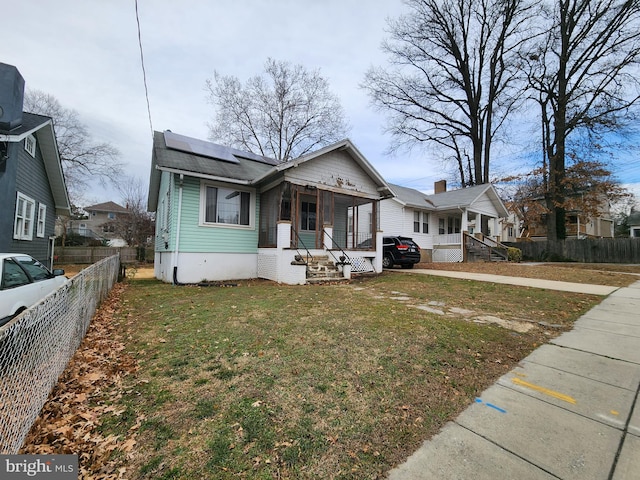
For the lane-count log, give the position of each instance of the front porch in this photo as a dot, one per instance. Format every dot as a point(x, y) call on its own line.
point(300, 224)
point(465, 235)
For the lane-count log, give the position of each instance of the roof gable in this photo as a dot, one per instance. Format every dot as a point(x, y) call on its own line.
point(42, 128)
point(461, 198)
point(107, 207)
point(347, 147)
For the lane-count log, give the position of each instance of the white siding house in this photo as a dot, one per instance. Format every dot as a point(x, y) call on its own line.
point(437, 222)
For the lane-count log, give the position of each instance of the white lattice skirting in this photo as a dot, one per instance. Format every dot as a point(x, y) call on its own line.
point(361, 264)
point(447, 255)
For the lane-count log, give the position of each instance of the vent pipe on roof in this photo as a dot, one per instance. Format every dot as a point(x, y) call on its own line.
point(11, 97)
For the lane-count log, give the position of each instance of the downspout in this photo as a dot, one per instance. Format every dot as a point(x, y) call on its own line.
point(179, 221)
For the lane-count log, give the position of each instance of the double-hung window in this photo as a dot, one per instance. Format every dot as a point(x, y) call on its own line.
point(227, 206)
point(23, 221)
point(420, 219)
point(30, 145)
point(42, 220)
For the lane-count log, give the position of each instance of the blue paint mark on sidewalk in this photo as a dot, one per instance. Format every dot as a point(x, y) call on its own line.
point(490, 405)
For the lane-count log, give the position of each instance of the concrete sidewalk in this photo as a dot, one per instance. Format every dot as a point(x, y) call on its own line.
point(523, 282)
point(570, 410)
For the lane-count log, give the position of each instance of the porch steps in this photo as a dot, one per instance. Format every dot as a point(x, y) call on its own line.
point(321, 269)
point(482, 253)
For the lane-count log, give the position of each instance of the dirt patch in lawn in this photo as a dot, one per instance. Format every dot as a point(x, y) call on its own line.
point(614, 275)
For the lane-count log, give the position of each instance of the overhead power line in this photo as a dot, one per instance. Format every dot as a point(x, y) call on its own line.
point(144, 72)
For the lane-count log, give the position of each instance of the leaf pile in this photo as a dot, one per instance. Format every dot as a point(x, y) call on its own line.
point(88, 389)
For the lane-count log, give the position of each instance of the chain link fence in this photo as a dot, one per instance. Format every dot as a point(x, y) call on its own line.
point(37, 345)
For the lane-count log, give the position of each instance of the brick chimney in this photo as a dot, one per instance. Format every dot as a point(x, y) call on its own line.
point(440, 186)
point(11, 97)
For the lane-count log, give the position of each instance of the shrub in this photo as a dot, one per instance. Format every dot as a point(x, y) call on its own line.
point(514, 254)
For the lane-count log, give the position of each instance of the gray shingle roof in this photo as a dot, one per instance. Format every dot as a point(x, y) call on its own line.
point(248, 166)
point(246, 169)
point(30, 122)
point(463, 197)
point(107, 207)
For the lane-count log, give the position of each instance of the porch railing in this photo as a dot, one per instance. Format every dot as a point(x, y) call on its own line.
point(485, 247)
point(344, 258)
point(297, 247)
point(447, 239)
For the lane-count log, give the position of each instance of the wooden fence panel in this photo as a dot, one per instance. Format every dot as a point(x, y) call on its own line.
point(589, 250)
point(90, 255)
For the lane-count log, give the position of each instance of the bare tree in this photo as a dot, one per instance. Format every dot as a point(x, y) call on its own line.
point(454, 78)
point(138, 226)
point(283, 114)
point(584, 76)
point(82, 160)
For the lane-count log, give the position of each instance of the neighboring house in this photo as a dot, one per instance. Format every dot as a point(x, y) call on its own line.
point(224, 214)
point(578, 224)
point(101, 223)
point(436, 222)
point(32, 187)
point(634, 224)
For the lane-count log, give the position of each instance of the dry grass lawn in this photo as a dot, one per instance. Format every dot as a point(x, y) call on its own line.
point(342, 381)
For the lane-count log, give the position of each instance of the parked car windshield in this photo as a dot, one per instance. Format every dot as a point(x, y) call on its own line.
point(12, 275)
point(36, 270)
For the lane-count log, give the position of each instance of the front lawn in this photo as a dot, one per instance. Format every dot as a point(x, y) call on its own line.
point(338, 381)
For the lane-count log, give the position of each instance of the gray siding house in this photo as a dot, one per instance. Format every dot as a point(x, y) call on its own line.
point(32, 187)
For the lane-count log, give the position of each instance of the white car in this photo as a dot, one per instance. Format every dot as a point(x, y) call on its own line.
point(24, 282)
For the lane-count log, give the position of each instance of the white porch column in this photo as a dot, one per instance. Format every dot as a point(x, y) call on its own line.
point(464, 224)
point(377, 263)
point(495, 230)
point(283, 235)
point(328, 235)
point(478, 229)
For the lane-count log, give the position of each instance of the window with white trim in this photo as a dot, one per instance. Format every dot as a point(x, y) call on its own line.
point(42, 220)
point(30, 145)
point(23, 222)
point(420, 219)
point(227, 206)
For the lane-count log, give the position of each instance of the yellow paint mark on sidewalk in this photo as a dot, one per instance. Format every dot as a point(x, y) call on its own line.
point(615, 412)
point(546, 391)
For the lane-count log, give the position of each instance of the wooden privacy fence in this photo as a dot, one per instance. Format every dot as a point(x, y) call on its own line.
point(84, 255)
point(588, 250)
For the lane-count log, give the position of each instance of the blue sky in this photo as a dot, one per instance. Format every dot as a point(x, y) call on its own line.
point(86, 54)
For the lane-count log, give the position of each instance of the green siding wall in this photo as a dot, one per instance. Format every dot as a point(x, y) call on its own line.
point(195, 238)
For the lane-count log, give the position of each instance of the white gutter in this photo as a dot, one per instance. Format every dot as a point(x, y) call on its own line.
point(182, 173)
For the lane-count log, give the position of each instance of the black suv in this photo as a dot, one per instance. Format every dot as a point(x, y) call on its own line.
point(399, 251)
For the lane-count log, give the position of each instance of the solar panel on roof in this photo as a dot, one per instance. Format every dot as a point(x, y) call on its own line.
point(198, 147)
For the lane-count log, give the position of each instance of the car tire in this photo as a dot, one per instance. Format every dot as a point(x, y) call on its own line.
point(387, 262)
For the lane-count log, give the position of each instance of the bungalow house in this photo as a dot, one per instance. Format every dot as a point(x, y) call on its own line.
point(438, 222)
point(32, 187)
point(224, 214)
